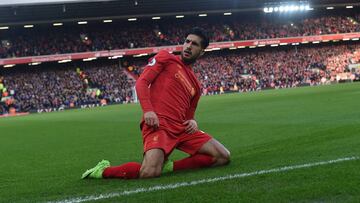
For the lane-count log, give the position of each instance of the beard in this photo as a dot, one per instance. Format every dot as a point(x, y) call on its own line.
point(190, 60)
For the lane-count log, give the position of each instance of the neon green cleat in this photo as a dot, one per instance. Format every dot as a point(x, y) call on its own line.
point(168, 167)
point(97, 171)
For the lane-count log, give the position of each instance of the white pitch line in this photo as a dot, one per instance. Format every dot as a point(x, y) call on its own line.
point(202, 181)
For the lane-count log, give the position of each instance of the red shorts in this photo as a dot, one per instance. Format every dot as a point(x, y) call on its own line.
point(167, 140)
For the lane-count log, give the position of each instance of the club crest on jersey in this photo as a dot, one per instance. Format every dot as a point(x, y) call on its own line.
point(152, 62)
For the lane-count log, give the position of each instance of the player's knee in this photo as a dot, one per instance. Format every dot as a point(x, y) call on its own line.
point(150, 172)
point(223, 158)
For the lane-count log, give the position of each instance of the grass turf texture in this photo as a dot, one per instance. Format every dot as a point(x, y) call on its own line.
point(44, 155)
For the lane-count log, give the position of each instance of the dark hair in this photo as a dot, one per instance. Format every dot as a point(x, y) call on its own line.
point(202, 34)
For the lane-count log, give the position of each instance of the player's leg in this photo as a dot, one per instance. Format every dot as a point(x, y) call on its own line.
point(205, 152)
point(212, 153)
point(152, 164)
point(151, 167)
point(218, 151)
point(154, 141)
point(128, 170)
point(104, 170)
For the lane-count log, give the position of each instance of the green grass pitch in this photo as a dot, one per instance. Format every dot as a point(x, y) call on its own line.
point(42, 156)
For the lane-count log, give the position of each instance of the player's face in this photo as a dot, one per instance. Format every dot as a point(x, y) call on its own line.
point(192, 49)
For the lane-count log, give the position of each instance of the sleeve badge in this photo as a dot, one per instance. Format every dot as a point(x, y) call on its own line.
point(152, 62)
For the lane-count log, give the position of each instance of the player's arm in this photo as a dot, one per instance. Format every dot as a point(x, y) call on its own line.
point(191, 124)
point(151, 71)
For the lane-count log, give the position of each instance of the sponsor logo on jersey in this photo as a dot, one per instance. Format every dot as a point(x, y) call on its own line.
point(180, 76)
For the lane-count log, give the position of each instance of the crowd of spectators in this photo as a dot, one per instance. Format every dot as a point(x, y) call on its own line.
point(262, 68)
point(63, 87)
point(70, 39)
point(239, 70)
point(270, 68)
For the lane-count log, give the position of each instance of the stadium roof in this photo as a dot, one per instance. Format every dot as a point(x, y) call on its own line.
point(35, 10)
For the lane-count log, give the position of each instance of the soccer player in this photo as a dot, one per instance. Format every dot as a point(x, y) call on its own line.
point(169, 92)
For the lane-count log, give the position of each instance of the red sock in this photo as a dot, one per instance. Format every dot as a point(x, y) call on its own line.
point(126, 171)
point(193, 162)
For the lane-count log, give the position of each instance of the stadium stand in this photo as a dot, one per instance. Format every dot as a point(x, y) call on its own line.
point(219, 72)
point(59, 87)
point(45, 41)
point(55, 86)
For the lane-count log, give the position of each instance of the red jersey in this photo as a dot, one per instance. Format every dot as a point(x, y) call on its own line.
point(169, 88)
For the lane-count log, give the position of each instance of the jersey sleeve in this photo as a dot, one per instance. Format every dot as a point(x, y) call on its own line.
point(155, 66)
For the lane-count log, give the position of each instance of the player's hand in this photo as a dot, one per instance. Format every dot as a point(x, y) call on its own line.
point(191, 126)
point(151, 119)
